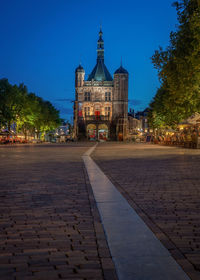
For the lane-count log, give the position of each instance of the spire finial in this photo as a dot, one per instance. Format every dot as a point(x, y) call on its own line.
point(100, 31)
point(121, 61)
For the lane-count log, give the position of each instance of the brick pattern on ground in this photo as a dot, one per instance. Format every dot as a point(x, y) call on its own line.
point(162, 184)
point(50, 227)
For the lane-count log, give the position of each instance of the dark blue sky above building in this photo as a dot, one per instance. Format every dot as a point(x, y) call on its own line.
point(43, 41)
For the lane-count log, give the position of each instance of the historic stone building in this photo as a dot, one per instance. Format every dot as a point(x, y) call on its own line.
point(101, 102)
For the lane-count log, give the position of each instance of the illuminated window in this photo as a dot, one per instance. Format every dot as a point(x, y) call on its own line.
point(107, 96)
point(87, 96)
point(107, 111)
point(87, 111)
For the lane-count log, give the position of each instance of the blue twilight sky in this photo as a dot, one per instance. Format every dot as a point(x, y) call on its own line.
point(43, 41)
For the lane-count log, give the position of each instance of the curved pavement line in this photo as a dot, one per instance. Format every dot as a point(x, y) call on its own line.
point(135, 250)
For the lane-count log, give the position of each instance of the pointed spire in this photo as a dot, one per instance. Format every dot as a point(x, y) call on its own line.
point(100, 46)
point(100, 32)
point(121, 62)
point(100, 72)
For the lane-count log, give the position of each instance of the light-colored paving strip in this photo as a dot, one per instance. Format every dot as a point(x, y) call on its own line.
point(136, 252)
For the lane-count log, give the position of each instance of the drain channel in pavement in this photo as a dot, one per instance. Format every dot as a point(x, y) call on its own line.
point(136, 252)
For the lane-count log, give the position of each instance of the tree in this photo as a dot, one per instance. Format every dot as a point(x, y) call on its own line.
point(30, 113)
point(11, 103)
point(48, 117)
point(179, 66)
point(26, 121)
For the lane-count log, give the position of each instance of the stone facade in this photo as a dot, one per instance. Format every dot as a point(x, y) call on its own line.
point(101, 102)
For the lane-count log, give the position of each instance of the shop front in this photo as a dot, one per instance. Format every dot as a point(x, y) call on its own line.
point(102, 132)
point(97, 132)
point(91, 132)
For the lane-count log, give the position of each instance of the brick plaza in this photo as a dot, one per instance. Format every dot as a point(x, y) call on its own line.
point(50, 226)
point(163, 185)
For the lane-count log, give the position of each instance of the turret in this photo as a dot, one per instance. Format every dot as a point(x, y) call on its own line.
point(120, 103)
point(79, 76)
point(120, 95)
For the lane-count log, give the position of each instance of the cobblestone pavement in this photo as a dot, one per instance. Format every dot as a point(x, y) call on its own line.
point(49, 224)
point(163, 185)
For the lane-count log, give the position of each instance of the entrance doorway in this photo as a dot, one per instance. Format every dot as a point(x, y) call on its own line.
point(103, 132)
point(91, 132)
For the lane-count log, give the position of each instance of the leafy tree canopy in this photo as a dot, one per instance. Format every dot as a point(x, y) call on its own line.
point(29, 112)
point(179, 69)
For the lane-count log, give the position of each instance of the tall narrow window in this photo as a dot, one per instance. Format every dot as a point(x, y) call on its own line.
point(107, 96)
point(107, 111)
point(87, 96)
point(87, 111)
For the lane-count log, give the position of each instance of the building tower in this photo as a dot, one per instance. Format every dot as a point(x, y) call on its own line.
point(79, 82)
point(79, 76)
point(101, 103)
point(120, 102)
